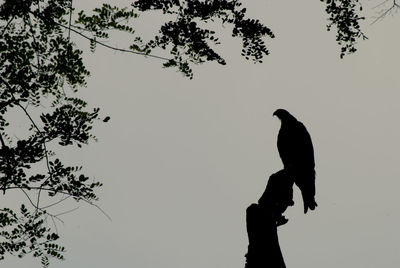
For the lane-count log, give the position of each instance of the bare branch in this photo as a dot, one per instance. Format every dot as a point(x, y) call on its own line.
point(52, 216)
point(29, 198)
point(2, 141)
point(41, 209)
point(66, 212)
point(54, 223)
point(383, 13)
point(56, 203)
point(381, 4)
point(99, 208)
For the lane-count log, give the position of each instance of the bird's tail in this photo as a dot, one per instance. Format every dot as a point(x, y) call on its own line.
point(309, 203)
point(306, 183)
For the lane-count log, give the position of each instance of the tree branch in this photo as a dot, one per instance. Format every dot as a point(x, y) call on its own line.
point(41, 209)
point(2, 141)
point(66, 212)
point(383, 14)
point(56, 203)
point(5, 27)
point(114, 48)
point(70, 20)
point(62, 192)
point(35, 42)
point(105, 45)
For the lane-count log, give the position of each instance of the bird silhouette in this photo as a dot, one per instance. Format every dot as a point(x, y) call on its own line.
point(297, 154)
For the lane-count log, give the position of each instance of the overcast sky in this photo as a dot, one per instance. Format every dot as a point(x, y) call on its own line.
point(181, 160)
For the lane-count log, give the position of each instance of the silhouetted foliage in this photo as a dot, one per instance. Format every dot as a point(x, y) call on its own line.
point(40, 70)
point(185, 37)
point(343, 14)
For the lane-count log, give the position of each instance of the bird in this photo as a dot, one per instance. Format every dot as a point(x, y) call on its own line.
point(297, 153)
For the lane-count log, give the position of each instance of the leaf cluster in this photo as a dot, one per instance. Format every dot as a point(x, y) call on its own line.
point(343, 14)
point(189, 42)
point(26, 234)
point(68, 123)
point(103, 20)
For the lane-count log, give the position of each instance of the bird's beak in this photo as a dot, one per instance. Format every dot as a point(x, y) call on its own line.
point(274, 114)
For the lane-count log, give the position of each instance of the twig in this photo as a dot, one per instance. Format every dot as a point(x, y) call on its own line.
point(54, 223)
point(56, 203)
point(2, 141)
point(37, 208)
point(70, 20)
point(29, 198)
point(381, 4)
point(35, 42)
point(99, 208)
point(114, 48)
point(65, 212)
point(382, 15)
point(8, 23)
point(52, 216)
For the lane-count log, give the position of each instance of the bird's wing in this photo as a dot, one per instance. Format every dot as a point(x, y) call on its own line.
point(303, 148)
point(285, 145)
point(304, 167)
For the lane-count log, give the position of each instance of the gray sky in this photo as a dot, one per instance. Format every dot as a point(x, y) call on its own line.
point(181, 160)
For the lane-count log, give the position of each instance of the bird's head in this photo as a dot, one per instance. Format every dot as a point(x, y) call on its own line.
point(282, 114)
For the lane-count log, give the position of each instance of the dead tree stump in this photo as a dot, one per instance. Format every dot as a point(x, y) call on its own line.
point(262, 220)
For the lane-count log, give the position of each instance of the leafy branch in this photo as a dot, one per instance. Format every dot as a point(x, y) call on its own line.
point(343, 14)
point(37, 62)
point(189, 43)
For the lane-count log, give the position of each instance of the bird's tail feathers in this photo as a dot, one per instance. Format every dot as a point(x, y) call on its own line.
point(309, 204)
point(306, 183)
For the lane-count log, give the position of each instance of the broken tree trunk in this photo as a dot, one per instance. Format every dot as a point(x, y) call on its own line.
point(262, 220)
point(263, 250)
